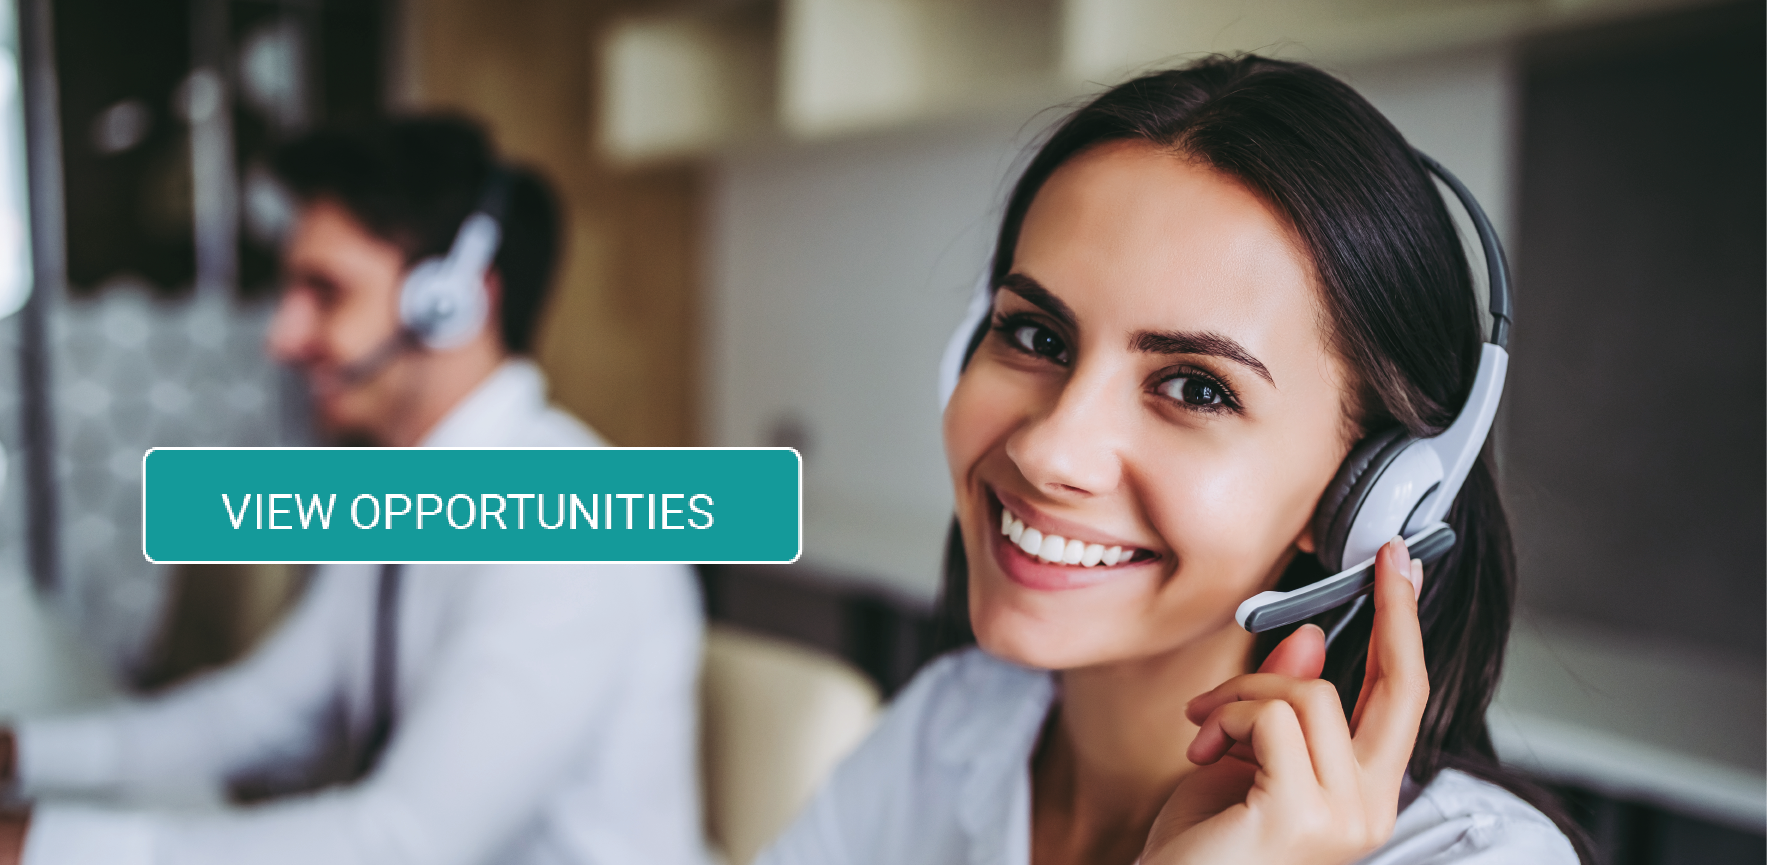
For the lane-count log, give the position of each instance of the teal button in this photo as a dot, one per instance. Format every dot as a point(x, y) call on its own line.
point(472, 505)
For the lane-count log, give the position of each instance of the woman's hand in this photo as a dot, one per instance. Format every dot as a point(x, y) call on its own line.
point(1281, 777)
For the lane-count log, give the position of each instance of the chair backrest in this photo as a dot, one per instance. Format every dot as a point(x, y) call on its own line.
point(776, 718)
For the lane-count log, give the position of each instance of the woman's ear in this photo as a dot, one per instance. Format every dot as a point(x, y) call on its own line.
point(1305, 542)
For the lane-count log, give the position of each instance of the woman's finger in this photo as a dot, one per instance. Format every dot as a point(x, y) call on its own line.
point(1271, 726)
point(1372, 664)
point(1396, 687)
point(1317, 706)
point(1301, 654)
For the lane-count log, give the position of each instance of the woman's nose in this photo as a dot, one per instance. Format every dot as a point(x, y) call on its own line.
point(1075, 448)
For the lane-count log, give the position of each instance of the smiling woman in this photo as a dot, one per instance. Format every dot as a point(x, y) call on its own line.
point(1204, 454)
point(1209, 284)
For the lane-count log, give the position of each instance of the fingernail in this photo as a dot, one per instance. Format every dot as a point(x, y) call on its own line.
point(1395, 549)
point(1416, 570)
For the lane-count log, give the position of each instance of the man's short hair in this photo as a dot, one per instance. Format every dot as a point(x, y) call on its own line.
point(412, 181)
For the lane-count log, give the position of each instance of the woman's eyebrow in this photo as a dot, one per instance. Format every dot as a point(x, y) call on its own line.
point(1035, 294)
point(1185, 342)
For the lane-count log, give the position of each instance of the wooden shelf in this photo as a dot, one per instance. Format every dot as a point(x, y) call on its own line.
point(856, 64)
point(688, 83)
point(723, 72)
point(1109, 39)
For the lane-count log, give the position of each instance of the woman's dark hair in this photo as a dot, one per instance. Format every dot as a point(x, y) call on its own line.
point(1402, 314)
point(413, 180)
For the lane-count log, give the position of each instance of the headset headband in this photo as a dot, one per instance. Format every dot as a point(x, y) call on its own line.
point(494, 201)
point(1496, 263)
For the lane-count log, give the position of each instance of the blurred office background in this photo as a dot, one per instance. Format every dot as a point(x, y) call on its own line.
point(776, 210)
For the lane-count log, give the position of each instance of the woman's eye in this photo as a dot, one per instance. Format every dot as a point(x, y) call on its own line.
point(1041, 341)
point(1192, 391)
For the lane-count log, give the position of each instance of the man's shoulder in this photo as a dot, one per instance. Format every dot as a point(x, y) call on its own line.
point(553, 427)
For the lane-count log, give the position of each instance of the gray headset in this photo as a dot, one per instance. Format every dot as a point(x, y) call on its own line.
point(442, 300)
point(1390, 484)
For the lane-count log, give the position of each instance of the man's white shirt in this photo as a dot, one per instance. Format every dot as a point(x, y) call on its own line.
point(546, 714)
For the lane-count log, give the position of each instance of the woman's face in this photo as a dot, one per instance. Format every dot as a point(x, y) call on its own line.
point(1158, 380)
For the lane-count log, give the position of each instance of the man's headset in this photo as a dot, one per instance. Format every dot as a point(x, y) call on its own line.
point(442, 301)
point(1390, 484)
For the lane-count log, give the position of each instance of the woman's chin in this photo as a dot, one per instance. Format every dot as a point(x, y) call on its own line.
point(1042, 643)
point(1057, 617)
point(1013, 649)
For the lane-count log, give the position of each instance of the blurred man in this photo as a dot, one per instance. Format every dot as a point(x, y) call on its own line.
point(445, 713)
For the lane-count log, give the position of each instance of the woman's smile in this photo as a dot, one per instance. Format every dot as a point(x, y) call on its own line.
point(1039, 551)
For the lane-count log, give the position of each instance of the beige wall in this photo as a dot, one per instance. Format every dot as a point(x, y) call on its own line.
point(620, 335)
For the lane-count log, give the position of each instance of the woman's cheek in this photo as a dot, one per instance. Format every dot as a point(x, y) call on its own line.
point(990, 402)
point(970, 421)
point(1201, 496)
point(1226, 520)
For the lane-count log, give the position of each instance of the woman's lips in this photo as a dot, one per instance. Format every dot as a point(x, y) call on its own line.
point(1049, 561)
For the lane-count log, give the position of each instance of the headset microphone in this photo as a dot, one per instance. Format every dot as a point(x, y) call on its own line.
point(367, 367)
point(1391, 484)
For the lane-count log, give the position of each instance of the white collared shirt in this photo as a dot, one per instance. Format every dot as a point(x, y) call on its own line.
point(546, 714)
point(945, 779)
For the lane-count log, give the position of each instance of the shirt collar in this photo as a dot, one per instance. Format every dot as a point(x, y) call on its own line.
point(514, 392)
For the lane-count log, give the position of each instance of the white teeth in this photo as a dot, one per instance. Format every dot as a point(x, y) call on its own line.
point(1057, 549)
point(1073, 553)
point(1052, 548)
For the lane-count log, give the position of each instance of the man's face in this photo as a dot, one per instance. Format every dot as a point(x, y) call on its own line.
point(339, 307)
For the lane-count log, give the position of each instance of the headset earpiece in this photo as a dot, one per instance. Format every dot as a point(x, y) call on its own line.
point(1331, 521)
point(443, 302)
point(1378, 490)
point(957, 348)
